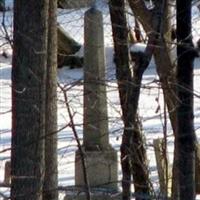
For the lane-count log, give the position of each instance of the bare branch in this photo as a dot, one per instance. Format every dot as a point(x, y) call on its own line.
point(82, 153)
point(143, 14)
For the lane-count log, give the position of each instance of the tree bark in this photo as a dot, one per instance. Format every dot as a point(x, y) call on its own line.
point(185, 138)
point(138, 157)
point(123, 73)
point(137, 31)
point(165, 67)
point(2, 5)
point(28, 99)
point(132, 147)
point(50, 191)
point(157, 21)
point(157, 27)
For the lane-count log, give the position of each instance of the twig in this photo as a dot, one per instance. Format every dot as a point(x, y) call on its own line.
point(82, 154)
point(164, 150)
point(7, 37)
point(4, 196)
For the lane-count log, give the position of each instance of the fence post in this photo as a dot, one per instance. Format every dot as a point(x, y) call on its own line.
point(165, 182)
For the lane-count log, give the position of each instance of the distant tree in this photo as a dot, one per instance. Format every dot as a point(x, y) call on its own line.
point(28, 99)
point(50, 191)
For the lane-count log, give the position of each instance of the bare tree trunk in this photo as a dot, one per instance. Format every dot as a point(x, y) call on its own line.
point(138, 157)
point(185, 138)
point(132, 147)
point(158, 28)
point(2, 5)
point(120, 35)
point(28, 99)
point(50, 191)
point(137, 30)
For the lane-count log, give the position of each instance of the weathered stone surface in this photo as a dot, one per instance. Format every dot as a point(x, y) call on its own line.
point(101, 167)
point(95, 98)
point(100, 157)
point(96, 194)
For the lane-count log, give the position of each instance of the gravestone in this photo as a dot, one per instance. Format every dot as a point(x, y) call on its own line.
point(100, 158)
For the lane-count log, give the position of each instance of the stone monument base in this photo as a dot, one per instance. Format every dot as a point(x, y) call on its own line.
point(96, 194)
point(102, 174)
point(101, 167)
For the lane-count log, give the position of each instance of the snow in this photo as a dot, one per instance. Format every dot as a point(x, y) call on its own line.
point(151, 98)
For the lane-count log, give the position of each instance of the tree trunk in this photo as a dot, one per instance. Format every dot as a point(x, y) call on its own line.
point(139, 165)
point(50, 191)
point(120, 34)
point(28, 99)
point(137, 31)
point(132, 147)
point(185, 138)
point(165, 67)
point(2, 5)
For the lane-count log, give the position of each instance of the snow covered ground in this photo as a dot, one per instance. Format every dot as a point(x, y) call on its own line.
point(150, 99)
